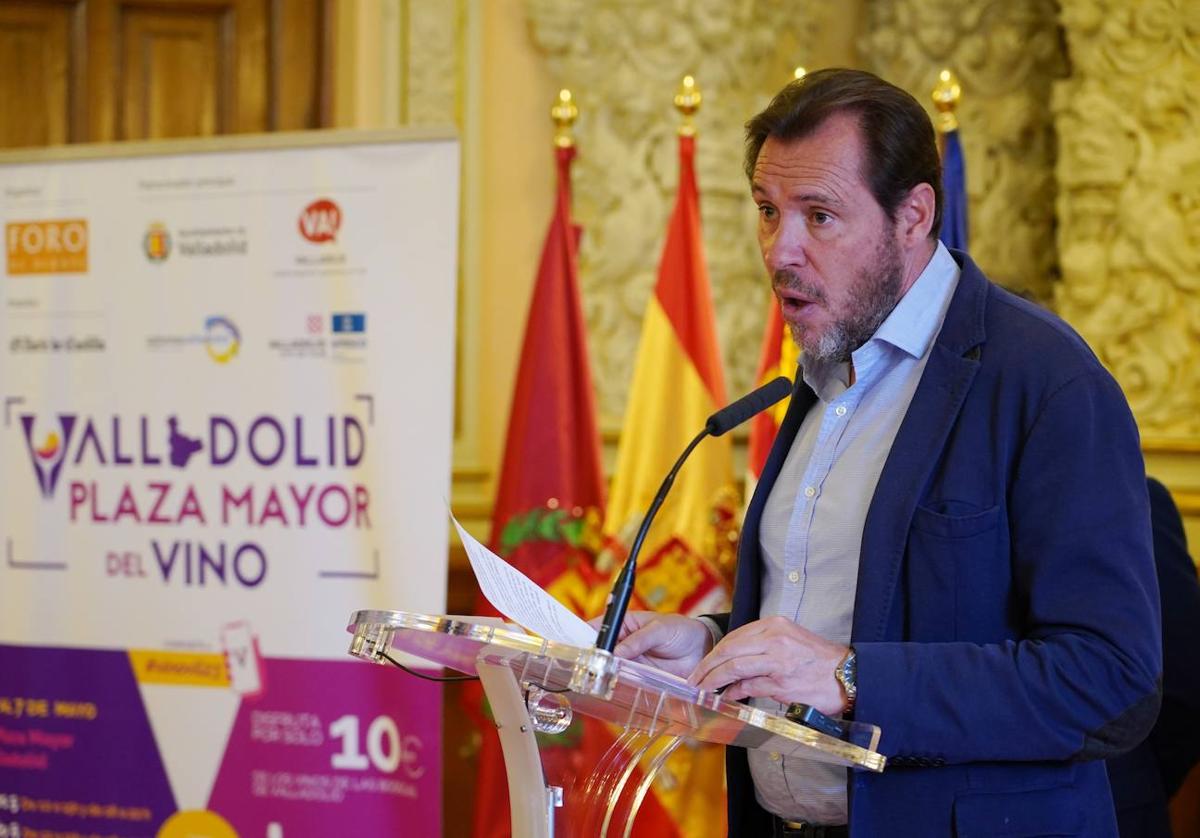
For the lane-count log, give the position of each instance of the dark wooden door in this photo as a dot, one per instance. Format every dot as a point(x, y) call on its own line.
point(102, 70)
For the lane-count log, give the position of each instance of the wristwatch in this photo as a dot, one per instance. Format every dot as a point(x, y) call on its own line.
point(846, 673)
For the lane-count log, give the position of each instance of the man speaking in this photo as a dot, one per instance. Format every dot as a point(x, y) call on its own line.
point(951, 536)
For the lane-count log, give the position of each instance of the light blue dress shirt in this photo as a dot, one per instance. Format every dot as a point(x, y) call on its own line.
point(812, 525)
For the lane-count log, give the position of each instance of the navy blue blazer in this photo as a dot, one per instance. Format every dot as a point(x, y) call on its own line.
point(1006, 618)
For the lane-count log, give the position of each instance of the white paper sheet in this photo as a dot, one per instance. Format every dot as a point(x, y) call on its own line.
point(518, 597)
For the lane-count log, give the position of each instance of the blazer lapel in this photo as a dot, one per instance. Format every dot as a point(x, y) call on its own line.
point(953, 363)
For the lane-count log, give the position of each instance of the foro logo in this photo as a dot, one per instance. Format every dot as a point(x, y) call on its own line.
point(47, 247)
point(320, 221)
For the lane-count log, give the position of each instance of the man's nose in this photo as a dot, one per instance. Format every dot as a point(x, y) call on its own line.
point(785, 247)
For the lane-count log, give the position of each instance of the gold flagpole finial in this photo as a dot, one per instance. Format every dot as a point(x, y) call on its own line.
point(799, 73)
point(564, 114)
point(946, 94)
point(687, 102)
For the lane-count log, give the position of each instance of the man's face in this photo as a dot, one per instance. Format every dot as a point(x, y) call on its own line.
point(830, 249)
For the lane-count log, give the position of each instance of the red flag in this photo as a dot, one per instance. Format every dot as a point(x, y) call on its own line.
point(550, 500)
point(551, 481)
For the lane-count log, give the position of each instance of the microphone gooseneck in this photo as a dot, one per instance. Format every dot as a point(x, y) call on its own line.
point(719, 423)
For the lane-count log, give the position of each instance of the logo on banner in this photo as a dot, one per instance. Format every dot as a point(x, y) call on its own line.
point(344, 323)
point(349, 341)
point(48, 455)
point(157, 242)
point(71, 344)
point(47, 247)
point(320, 221)
point(194, 242)
point(221, 339)
point(160, 473)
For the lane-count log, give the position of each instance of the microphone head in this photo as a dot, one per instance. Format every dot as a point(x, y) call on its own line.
point(756, 401)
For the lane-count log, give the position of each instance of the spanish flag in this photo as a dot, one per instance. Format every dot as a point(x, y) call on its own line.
point(677, 384)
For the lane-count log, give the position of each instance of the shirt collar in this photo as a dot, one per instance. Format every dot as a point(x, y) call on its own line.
point(911, 326)
point(914, 322)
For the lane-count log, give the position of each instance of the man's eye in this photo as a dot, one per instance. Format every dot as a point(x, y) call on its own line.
point(766, 211)
point(819, 217)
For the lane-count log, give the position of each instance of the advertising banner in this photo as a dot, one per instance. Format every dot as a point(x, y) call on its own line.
point(226, 384)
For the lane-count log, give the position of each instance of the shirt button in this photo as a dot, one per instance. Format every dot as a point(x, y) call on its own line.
point(809, 491)
point(775, 757)
point(841, 410)
point(794, 576)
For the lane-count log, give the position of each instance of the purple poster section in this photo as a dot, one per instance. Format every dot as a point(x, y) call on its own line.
point(77, 754)
point(327, 748)
point(334, 748)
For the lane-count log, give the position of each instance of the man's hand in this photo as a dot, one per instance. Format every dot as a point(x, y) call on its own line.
point(777, 659)
point(671, 642)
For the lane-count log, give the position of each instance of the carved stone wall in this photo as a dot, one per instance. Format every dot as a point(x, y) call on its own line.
point(1129, 201)
point(1006, 53)
point(623, 60)
point(433, 62)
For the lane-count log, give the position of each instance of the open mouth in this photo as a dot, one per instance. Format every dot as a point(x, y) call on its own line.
point(793, 303)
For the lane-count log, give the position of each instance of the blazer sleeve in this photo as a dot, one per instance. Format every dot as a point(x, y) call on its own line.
point(1080, 678)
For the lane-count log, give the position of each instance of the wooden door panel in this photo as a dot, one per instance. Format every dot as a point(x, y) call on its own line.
point(39, 104)
point(100, 70)
point(299, 64)
point(175, 75)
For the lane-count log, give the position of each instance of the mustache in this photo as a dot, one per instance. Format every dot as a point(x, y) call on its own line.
point(788, 280)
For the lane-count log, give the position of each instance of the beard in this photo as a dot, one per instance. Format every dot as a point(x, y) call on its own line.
point(872, 295)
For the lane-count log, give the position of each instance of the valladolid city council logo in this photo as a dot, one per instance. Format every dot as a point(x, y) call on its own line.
point(157, 242)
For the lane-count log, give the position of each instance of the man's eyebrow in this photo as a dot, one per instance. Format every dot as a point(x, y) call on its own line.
point(825, 198)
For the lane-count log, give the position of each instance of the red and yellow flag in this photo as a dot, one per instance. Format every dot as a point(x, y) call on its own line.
point(677, 385)
point(779, 356)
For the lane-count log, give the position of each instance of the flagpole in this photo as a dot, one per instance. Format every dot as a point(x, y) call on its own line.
point(946, 95)
point(564, 113)
point(687, 102)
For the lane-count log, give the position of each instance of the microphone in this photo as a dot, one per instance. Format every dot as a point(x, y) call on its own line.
point(721, 422)
point(756, 401)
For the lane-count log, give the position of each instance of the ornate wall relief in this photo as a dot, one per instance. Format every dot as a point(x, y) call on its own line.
point(624, 59)
point(1129, 200)
point(433, 59)
point(1006, 53)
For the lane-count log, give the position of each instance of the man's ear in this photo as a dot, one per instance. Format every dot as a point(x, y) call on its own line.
point(914, 215)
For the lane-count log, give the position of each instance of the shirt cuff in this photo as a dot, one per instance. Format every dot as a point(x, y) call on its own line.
point(713, 629)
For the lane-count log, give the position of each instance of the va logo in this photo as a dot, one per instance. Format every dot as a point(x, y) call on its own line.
point(48, 456)
point(320, 221)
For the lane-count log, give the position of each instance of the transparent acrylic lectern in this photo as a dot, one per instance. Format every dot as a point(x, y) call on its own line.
point(535, 685)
